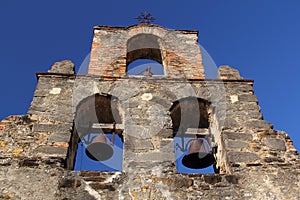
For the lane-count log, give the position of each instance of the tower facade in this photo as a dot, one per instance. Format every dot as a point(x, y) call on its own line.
point(150, 122)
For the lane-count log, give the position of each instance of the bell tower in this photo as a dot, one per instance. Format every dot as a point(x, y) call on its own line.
point(114, 48)
point(108, 134)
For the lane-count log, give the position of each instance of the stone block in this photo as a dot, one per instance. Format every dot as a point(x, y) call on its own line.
point(165, 132)
point(50, 150)
point(181, 182)
point(235, 144)
point(242, 157)
point(212, 179)
point(228, 73)
point(275, 144)
point(142, 132)
point(102, 186)
point(53, 128)
point(41, 93)
point(273, 159)
point(29, 162)
point(248, 98)
point(165, 166)
point(64, 66)
point(237, 136)
point(156, 156)
point(134, 143)
point(59, 137)
point(242, 89)
point(69, 183)
point(166, 145)
point(230, 122)
point(55, 161)
point(66, 117)
point(89, 173)
point(232, 179)
point(258, 124)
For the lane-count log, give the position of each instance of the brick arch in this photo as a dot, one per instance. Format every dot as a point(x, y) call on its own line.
point(159, 31)
point(143, 46)
point(109, 51)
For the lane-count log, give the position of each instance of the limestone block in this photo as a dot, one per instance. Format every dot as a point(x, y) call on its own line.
point(134, 143)
point(275, 144)
point(235, 144)
point(230, 122)
point(240, 157)
point(55, 91)
point(59, 137)
point(64, 66)
point(248, 98)
point(156, 156)
point(51, 151)
point(228, 73)
point(258, 124)
point(237, 136)
point(234, 98)
point(212, 179)
point(53, 128)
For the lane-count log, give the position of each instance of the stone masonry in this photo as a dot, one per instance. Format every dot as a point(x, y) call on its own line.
point(37, 150)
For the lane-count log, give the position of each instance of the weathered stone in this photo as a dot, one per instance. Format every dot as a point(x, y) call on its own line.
point(258, 124)
point(69, 183)
point(235, 144)
point(50, 150)
point(55, 162)
point(232, 179)
point(64, 66)
point(156, 156)
point(102, 186)
point(273, 159)
point(182, 182)
point(165, 133)
point(212, 179)
point(228, 73)
point(275, 144)
point(29, 163)
point(54, 128)
point(237, 136)
point(89, 173)
point(240, 157)
point(59, 137)
point(230, 122)
point(248, 97)
point(94, 179)
point(133, 143)
point(8, 195)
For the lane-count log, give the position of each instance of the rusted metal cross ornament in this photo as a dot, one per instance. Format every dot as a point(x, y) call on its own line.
point(145, 18)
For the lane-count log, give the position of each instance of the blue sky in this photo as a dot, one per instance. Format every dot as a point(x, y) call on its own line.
point(258, 37)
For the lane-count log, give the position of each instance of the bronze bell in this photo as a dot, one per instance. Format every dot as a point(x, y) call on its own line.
point(99, 150)
point(199, 155)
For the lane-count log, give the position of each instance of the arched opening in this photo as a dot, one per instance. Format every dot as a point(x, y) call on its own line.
point(189, 112)
point(97, 142)
point(144, 50)
point(192, 136)
point(139, 67)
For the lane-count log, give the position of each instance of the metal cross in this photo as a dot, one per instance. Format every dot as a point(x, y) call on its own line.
point(145, 18)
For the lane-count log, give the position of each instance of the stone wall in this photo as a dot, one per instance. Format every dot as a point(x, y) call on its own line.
point(255, 161)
